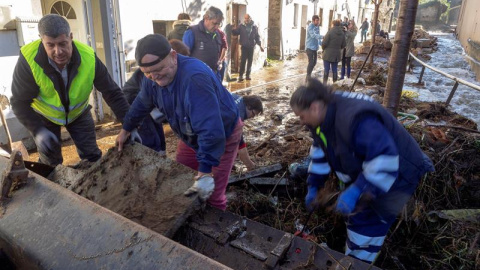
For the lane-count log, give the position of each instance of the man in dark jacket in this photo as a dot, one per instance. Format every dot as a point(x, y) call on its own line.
point(203, 40)
point(180, 26)
point(151, 129)
point(370, 152)
point(249, 37)
point(51, 85)
point(364, 30)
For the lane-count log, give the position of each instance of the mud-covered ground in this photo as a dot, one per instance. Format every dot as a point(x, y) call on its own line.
point(137, 183)
point(424, 237)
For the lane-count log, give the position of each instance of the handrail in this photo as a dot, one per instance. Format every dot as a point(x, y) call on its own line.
point(457, 80)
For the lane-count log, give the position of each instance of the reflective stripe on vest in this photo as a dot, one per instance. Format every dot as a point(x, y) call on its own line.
point(48, 102)
point(322, 136)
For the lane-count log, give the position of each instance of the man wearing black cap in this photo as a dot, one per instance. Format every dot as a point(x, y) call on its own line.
point(200, 111)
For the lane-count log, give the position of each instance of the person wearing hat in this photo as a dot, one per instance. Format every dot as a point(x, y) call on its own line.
point(51, 86)
point(200, 111)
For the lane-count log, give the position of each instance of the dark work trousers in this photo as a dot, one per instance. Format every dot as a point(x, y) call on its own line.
point(346, 61)
point(326, 69)
point(152, 134)
point(247, 57)
point(312, 61)
point(82, 132)
point(363, 35)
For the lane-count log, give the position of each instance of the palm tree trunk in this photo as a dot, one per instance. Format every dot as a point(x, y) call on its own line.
point(399, 56)
point(374, 27)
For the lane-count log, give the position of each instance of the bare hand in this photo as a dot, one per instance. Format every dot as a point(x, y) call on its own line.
point(250, 165)
point(121, 139)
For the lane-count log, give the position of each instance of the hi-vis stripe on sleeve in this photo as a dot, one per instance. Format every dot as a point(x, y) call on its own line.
point(318, 164)
point(381, 171)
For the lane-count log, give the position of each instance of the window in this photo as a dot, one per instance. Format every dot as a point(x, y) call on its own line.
point(63, 8)
point(320, 14)
point(295, 15)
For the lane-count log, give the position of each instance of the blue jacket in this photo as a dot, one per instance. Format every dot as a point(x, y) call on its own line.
point(313, 37)
point(365, 144)
point(242, 111)
point(247, 40)
point(200, 111)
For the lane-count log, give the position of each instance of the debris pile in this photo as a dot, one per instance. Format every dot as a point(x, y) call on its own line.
point(454, 186)
point(423, 44)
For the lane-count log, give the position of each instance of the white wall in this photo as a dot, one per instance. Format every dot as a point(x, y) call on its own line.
point(137, 16)
point(19, 8)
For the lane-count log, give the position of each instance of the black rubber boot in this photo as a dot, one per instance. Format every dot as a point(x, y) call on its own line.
point(335, 77)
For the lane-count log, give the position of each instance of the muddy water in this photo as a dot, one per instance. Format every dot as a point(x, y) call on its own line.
point(451, 59)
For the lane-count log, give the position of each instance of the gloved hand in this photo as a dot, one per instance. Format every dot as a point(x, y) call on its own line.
point(46, 141)
point(204, 187)
point(157, 115)
point(135, 137)
point(310, 198)
point(348, 199)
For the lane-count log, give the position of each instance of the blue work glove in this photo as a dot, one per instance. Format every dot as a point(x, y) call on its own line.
point(348, 199)
point(46, 141)
point(310, 198)
point(135, 137)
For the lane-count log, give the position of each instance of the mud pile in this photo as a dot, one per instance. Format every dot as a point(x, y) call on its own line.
point(136, 183)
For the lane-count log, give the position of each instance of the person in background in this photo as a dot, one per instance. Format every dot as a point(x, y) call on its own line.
point(370, 152)
point(222, 64)
point(51, 87)
point(200, 111)
point(364, 30)
point(248, 107)
point(312, 44)
point(203, 39)
point(332, 45)
point(180, 26)
point(151, 129)
point(349, 51)
point(249, 37)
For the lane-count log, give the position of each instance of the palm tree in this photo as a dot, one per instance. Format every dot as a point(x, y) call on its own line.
point(374, 26)
point(399, 56)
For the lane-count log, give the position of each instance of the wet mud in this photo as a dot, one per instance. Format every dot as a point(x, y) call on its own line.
point(136, 183)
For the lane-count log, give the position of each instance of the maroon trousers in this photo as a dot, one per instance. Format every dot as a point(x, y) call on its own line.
point(221, 173)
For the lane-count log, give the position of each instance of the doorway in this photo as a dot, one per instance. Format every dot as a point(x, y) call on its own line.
point(238, 12)
point(303, 27)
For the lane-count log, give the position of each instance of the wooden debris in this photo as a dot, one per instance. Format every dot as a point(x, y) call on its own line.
point(268, 181)
point(257, 172)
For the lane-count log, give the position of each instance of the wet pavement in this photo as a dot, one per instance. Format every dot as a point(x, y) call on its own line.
point(450, 58)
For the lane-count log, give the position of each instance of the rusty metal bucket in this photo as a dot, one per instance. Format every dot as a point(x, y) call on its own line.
point(45, 226)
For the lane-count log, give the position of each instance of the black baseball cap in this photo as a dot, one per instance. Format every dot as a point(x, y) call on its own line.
point(152, 44)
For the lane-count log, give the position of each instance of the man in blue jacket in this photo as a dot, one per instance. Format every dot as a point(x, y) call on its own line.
point(312, 44)
point(200, 111)
point(369, 151)
point(249, 37)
